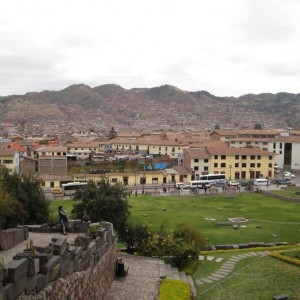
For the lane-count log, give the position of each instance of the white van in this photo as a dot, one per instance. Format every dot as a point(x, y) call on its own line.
point(261, 181)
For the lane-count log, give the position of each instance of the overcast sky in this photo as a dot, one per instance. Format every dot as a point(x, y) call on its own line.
point(228, 48)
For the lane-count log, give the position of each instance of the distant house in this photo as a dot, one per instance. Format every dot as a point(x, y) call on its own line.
point(52, 160)
point(10, 158)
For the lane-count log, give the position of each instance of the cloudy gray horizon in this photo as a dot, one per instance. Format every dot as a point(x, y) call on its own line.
point(228, 48)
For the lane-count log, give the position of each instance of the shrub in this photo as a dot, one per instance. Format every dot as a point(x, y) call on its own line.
point(172, 289)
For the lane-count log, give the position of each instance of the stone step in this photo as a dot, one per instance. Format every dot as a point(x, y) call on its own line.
point(192, 284)
point(175, 273)
point(182, 276)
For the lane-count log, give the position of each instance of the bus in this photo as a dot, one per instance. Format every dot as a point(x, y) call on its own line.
point(261, 181)
point(70, 188)
point(212, 178)
point(199, 184)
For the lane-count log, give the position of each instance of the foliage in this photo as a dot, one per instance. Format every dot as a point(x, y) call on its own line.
point(191, 266)
point(112, 133)
point(102, 202)
point(180, 244)
point(257, 126)
point(172, 289)
point(135, 236)
point(29, 204)
point(281, 256)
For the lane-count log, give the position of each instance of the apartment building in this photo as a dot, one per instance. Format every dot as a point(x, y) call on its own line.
point(52, 160)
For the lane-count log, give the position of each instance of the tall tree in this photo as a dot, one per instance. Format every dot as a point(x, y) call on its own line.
point(103, 202)
point(112, 133)
point(257, 126)
point(26, 190)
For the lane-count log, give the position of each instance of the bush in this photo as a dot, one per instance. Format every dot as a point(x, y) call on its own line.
point(172, 289)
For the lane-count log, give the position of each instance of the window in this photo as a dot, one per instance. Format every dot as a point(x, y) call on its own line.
point(215, 165)
point(280, 146)
point(173, 149)
point(166, 149)
point(206, 160)
point(114, 180)
point(205, 168)
point(274, 151)
point(244, 156)
point(256, 143)
point(237, 157)
point(7, 161)
point(159, 148)
point(258, 165)
point(252, 165)
point(258, 157)
point(265, 143)
point(196, 168)
point(223, 165)
point(236, 165)
point(223, 156)
point(270, 157)
point(252, 157)
point(233, 142)
point(270, 165)
point(196, 160)
point(216, 156)
point(274, 145)
point(244, 165)
point(280, 152)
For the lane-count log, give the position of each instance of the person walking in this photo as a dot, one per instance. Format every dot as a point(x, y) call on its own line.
point(63, 219)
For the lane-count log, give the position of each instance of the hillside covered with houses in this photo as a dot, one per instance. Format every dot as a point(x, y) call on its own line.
point(157, 158)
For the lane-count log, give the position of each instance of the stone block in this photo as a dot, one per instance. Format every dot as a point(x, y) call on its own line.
point(40, 282)
point(31, 284)
point(84, 254)
point(106, 247)
point(59, 245)
point(55, 272)
point(72, 250)
point(109, 236)
point(1, 291)
point(46, 249)
point(99, 240)
point(91, 249)
point(47, 268)
point(6, 239)
point(71, 269)
point(64, 268)
point(16, 269)
point(243, 246)
point(281, 297)
point(84, 227)
point(10, 292)
point(33, 266)
point(18, 236)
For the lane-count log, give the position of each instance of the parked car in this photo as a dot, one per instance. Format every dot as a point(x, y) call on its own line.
point(233, 183)
point(221, 182)
point(288, 175)
point(283, 181)
point(181, 185)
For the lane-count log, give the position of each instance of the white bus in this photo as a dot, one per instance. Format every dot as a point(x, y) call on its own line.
point(69, 189)
point(261, 181)
point(212, 178)
point(199, 184)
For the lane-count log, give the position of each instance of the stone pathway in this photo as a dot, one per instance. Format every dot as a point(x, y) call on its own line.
point(227, 267)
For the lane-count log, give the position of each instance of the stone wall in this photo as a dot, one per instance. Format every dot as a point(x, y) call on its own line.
point(62, 271)
point(281, 197)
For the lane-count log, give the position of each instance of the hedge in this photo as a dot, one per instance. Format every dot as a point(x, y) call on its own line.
point(173, 289)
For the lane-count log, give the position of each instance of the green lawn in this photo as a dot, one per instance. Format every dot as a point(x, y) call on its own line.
point(279, 220)
point(288, 192)
point(256, 278)
point(67, 204)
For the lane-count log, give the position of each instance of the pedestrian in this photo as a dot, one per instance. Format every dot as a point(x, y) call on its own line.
point(63, 219)
point(136, 193)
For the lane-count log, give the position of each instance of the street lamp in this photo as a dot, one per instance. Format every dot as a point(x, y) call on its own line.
point(230, 166)
point(250, 172)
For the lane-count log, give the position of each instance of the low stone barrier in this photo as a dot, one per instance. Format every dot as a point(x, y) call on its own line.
point(281, 197)
point(63, 271)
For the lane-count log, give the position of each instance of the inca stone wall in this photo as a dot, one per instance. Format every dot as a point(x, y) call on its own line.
point(60, 271)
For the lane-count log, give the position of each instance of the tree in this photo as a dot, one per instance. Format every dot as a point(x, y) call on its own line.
point(102, 202)
point(30, 203)
point(257, 126)
point(112, 133)
point(217, 127)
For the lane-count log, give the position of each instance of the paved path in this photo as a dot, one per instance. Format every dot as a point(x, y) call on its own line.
point(227, 267)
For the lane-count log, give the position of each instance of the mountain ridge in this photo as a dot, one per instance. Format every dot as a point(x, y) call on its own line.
point(166, 106)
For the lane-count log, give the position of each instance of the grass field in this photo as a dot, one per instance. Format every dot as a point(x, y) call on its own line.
point(253, 278)
point(279, 220)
